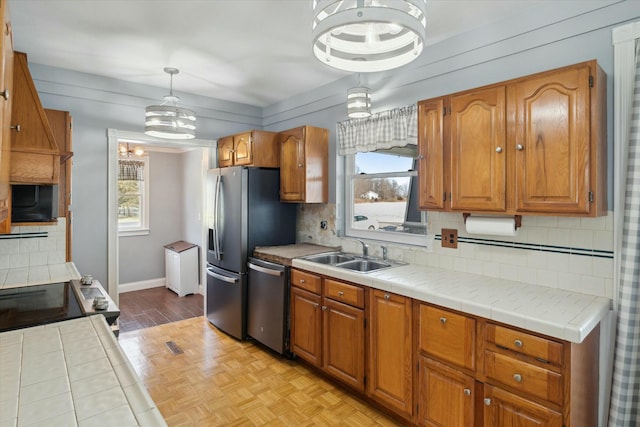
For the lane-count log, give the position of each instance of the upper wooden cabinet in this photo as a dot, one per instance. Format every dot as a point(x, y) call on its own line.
point(35, 157)
point(254, 148)
point(304, 153)
point(534, 145)
point(6, 99)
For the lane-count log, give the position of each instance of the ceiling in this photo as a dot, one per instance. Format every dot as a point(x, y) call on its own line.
point(256, 52)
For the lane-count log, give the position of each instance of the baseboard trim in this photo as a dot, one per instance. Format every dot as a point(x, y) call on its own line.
point(138, 286)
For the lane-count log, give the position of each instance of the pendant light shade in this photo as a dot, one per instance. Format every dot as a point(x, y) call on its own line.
point(168, 120)
point(359, 102)
point(368, 35)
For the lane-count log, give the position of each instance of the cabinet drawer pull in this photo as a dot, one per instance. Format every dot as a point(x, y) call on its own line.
point(316, 305)
point(443, 320)
point(340, 293)
point(519, 147)
point(517, 378)
point(5, 94)
point(518, 343)
point(17, 128)
point(386, 296)
point(498, 149)
point(467, 392)
point(324, 308)
point(302, 281)
point(487, 401)
point(300, 165)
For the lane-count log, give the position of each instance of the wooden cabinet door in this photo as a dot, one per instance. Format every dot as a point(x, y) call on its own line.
point(446, 396)
point(552, 142)
point(6, 80)
point(478, 157)
point(343, 355)
point(242, 149)
point(390, 351)
point(225, 151)
point(431, 154)
point(504, 409)
point(292, 166)
point(306, 326)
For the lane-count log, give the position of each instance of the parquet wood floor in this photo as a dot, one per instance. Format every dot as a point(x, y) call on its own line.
point(156, 306)
point(219, 381)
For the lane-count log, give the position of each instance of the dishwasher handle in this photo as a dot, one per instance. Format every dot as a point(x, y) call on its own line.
point(221, 277)
point(276, 273)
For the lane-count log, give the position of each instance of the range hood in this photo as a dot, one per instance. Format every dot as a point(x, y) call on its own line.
point(35, 156)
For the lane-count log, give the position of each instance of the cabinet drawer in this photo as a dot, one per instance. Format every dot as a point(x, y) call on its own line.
point(531, 345)
point(448, 336)
point(527, 378)
point(343, 292)
point(307, 281)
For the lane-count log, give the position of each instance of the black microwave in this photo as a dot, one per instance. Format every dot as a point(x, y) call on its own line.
point(34, 203)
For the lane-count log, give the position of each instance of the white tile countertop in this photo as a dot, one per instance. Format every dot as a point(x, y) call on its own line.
point(70, 373)
point(37, 275)
point(554, 312)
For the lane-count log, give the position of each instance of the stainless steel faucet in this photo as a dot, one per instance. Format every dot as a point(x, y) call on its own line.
point(365, 248)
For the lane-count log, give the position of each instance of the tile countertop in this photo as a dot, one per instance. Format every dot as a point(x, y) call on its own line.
point(70, 373)
point(38, 275)
point(553, 312)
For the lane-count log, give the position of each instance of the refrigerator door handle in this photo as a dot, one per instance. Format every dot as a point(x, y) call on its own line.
point(221, 277)
point(216, 218)
point(264, 270)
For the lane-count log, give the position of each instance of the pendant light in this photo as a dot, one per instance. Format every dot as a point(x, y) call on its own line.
point(125, 151)
point(359, 101)
point(368, 35)
point(168, 120)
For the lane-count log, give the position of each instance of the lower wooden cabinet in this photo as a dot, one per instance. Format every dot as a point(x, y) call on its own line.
point(390, 351)
point(306, 325)
point(504, 409)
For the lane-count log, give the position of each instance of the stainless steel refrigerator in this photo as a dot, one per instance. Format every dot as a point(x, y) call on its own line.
point(243, 211)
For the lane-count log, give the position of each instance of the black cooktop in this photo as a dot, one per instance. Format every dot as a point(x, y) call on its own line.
point(37, 305)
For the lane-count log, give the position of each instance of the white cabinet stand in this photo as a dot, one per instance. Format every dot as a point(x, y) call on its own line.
point(181, 267)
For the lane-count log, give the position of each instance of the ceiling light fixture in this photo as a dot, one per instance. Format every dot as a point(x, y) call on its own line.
point(168, 120)
point(359, 101)
point(125, 151)
point(368, 35)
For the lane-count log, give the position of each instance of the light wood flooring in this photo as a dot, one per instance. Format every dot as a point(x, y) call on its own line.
point(219, 381)
point(156, 306)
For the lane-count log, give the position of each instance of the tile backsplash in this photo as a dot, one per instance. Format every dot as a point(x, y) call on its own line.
point(33, 246)
point(574, 254)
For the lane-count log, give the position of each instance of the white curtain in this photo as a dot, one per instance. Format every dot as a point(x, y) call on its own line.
point(388, 129)
point(625, 393)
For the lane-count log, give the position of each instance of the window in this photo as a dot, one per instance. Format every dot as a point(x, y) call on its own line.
point(382, 196)
point(133, 196)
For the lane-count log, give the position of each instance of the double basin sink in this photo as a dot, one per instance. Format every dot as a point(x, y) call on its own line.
point(351, 262)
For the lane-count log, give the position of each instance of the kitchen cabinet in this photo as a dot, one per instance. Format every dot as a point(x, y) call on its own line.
point(6, 100)
point(504, 409)
point(35, 157)
point(304, 153)
point(327, 326)
point(534, 145)
point(254, 148)
point(390, 370)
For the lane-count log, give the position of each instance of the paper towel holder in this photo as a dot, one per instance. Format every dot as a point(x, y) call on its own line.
point(517, 218)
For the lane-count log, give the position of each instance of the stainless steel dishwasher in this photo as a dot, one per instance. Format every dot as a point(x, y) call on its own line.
point(268, 304)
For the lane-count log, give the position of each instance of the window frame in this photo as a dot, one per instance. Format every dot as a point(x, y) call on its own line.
point(380, 235)
point(143, 229)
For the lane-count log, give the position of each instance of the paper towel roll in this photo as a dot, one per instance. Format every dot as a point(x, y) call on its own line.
point(491, 225)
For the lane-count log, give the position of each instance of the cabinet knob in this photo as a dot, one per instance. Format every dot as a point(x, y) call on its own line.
point(517, 378)
point(498, 149)
point(518, 343)
point(324, 308)
point(487, 401)
point(340, 293)
point(316, 305)
point(386, 296)
point(301, 280)
point(17, 128)
point(420, 157)
point(467, 392)
point(519, 147)
point(443, 320)
point(5, 94)
point(300, 165)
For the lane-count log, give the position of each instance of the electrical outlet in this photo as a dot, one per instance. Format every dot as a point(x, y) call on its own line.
point(449, 238)
point(323, 225)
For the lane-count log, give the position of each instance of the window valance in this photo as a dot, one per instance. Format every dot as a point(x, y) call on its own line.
point(387, 129)
point(130, 170)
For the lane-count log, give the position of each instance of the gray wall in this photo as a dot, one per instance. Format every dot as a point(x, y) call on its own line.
point(559, 34)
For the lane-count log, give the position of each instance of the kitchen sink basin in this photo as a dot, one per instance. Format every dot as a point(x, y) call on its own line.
point(351, 261)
